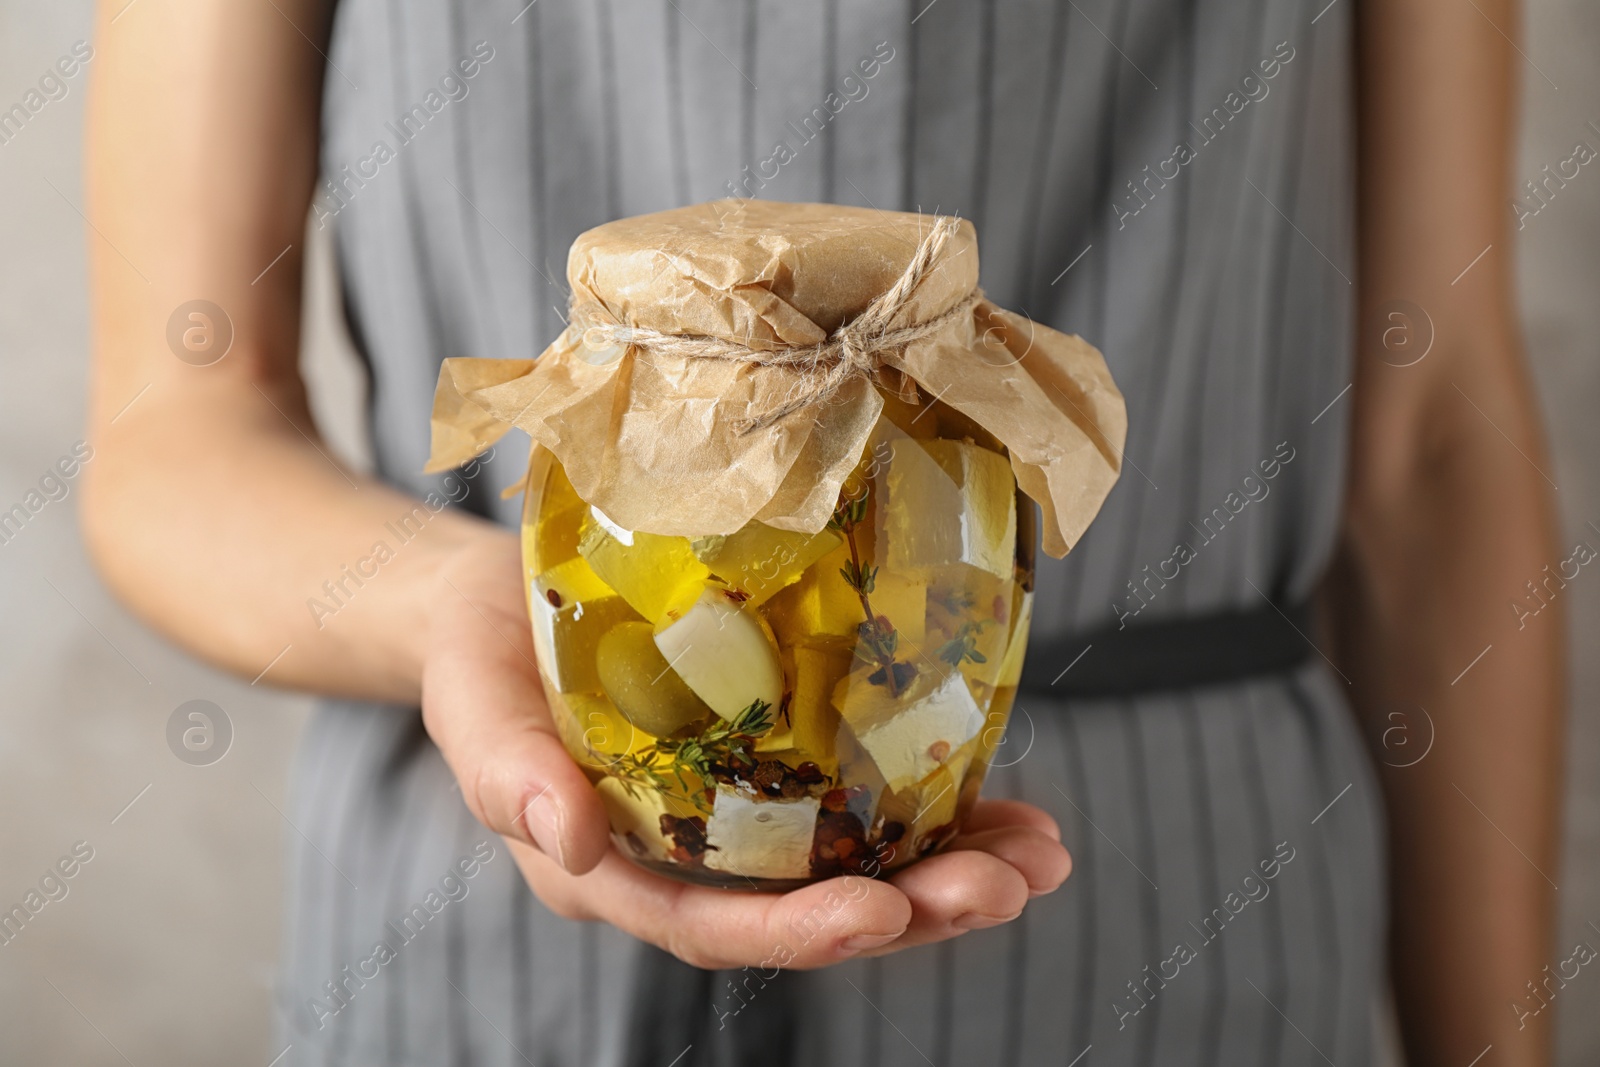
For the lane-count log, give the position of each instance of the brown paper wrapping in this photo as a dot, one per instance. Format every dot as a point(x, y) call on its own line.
point(653, 440)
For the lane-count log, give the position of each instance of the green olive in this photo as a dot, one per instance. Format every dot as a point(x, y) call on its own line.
point(638, 680)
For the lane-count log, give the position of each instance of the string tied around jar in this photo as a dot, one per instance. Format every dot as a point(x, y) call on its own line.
point(855, 350)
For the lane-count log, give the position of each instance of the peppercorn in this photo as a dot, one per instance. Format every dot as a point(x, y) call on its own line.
point(768, 776)
point(809, 773)
point(688, 838)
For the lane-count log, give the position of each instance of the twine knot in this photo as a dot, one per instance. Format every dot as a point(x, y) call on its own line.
point(854, 350)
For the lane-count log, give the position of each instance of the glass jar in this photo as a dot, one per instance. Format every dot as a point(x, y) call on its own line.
point(767, 708)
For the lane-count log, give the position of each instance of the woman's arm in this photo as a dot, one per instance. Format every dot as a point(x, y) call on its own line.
point(212, 509)
point(1449, 516)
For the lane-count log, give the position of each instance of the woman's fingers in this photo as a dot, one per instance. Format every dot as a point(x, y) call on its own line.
point(1037, 857)
point(812, 927)
point(994, 814)
point(1026, 837)
point(519, 781)
point(960, 890)
point(1008, 854)
point(484, 707)
point(983, 879)
point(515, 775)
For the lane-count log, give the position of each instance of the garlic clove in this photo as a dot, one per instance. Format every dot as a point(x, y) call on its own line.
point(722, 650)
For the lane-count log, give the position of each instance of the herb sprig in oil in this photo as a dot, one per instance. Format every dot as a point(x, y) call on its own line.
point(879, 639)
point(686, 764)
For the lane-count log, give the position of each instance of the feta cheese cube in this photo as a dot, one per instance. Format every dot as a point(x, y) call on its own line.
point(949, 502)
point(923, 808)
point(910, 735)
point(975, 607)
point(760, 838)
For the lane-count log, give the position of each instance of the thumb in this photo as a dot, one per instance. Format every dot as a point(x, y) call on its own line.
point(484, 707)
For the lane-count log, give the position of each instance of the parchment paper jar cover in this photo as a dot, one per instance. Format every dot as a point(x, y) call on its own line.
point(782, 456)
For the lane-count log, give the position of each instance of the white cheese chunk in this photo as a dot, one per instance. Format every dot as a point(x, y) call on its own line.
point(760, 838)
point(950, 502)
point(910, 735)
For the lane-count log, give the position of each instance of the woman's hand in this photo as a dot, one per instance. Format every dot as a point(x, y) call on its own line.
point(484, 706)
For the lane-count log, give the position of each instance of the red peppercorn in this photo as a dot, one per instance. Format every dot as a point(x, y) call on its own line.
point(809, 773)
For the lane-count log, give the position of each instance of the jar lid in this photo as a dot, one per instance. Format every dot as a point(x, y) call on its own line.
point(723, 362)
point(762, 273)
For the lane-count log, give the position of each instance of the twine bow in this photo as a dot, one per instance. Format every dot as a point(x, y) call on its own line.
point(855, 349)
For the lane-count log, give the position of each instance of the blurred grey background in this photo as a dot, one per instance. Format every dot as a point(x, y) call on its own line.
point(163, 949)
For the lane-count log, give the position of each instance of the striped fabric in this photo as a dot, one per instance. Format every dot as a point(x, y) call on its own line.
point(1169, 178)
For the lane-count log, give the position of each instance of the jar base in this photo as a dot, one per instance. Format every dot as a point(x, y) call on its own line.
point(715, 879)
point(719, 879)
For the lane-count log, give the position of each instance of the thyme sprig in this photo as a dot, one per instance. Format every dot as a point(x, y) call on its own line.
point(878, 637)
point(964, 645)
point(953, 600)
point(686, 764)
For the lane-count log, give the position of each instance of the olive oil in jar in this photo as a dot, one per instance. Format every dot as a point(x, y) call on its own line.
point(769, 707)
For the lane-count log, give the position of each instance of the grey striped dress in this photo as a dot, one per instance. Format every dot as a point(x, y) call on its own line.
point(1169, 178)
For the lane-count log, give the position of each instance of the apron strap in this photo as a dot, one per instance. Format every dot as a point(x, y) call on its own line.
point(1182, 653)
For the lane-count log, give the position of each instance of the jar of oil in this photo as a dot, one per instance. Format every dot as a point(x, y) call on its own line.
point(771, 707)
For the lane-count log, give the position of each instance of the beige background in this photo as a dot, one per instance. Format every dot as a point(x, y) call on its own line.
point(163, 950)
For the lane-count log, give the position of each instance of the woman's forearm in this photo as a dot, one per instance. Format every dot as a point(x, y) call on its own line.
point(227, 527)
point(1448, 517)
point(1436, 658)
point(210, 507)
